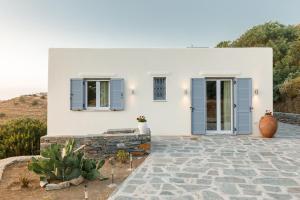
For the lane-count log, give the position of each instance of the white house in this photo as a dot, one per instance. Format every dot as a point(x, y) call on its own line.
point(181, 91)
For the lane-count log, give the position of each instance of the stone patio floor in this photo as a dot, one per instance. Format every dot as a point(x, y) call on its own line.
point(218, 167)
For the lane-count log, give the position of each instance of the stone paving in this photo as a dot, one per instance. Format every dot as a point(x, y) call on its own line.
point(216, 168)
point(288, 130)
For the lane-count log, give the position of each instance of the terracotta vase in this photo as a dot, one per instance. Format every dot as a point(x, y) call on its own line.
point(268, 126)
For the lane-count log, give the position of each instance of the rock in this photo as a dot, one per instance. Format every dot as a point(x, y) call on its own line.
point(43, 183)
point(280, 196)
point(276, 181)
point(106, 144)
point(230, 179)
point(229, 188)
point(209, 195)
point(272, 188)
point(77, 181)
point(52, 186)
point(239, 172)
point(294, 190)
point(64, 184)
point(58, 186)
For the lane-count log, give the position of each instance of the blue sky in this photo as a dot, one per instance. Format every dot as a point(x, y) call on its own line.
point(30, 27)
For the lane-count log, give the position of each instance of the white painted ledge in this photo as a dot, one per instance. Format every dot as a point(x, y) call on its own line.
point(220, 74)
point(159, 73)
point(97, 75)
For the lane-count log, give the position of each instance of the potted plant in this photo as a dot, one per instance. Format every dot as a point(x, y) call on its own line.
point(142, 124)
point(268, 125)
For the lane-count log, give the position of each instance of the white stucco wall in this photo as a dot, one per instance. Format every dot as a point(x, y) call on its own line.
point(172, 117)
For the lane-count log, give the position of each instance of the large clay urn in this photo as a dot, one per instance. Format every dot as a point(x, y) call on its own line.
point(268, 125)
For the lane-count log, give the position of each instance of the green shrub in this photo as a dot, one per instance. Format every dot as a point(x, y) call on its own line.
point(2, 114)
point(63, 163)
point(21, 137)
point(34, 103)
point(122, 156)
point(285, 42)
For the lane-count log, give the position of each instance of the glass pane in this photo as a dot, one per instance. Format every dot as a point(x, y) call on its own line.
point(211, 105)
point(104, 93)
point(91, 101)
point(159, 88)
point(226, 105)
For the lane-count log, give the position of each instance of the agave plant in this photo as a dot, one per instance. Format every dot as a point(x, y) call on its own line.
point(64, 163)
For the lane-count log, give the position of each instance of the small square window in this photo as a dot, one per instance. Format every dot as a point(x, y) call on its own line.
point(159, 88)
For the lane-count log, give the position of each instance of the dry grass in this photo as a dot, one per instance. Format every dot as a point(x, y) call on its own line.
point(291, 88)
point(34, 106)
point(11, 187)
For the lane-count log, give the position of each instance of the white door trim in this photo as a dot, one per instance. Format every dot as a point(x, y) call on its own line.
point(218, 98)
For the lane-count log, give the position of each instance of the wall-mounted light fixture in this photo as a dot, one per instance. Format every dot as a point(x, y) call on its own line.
point(256, 91)
point(185, 91)
point(132, 91)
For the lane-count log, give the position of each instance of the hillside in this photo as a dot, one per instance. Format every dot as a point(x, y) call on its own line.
point(34, 106)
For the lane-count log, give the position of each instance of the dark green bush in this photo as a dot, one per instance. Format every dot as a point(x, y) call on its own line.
point(2, 114)
point(34, 103)
point(285, 42)
point(21, 137)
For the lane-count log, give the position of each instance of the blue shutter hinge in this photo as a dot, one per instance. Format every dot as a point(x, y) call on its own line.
point(234, 81)
point(235, 129)
point(234, 105)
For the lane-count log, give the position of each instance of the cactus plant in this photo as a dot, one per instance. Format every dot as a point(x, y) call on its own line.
point(63, 163)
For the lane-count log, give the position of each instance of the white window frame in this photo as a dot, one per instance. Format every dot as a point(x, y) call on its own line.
point(159, 100)
point(98, 107)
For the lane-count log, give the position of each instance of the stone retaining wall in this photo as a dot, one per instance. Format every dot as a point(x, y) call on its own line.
point(11, 160)
point(290, 118)
point(102, 145)
point(288, 105)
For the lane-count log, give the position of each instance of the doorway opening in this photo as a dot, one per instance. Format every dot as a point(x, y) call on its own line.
point(219, 106)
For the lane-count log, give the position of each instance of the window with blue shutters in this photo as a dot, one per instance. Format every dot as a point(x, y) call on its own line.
point(97, 94)
point(159, 88)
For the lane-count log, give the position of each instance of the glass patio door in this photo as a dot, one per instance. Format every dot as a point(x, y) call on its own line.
point(219, 106)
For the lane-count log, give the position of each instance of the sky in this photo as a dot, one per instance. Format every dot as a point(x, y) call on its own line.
point(28, 28)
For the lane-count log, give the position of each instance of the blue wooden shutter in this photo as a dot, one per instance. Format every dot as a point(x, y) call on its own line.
point(243, 105)
point(198, 108)
point(117, 94)
point(77, 96)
